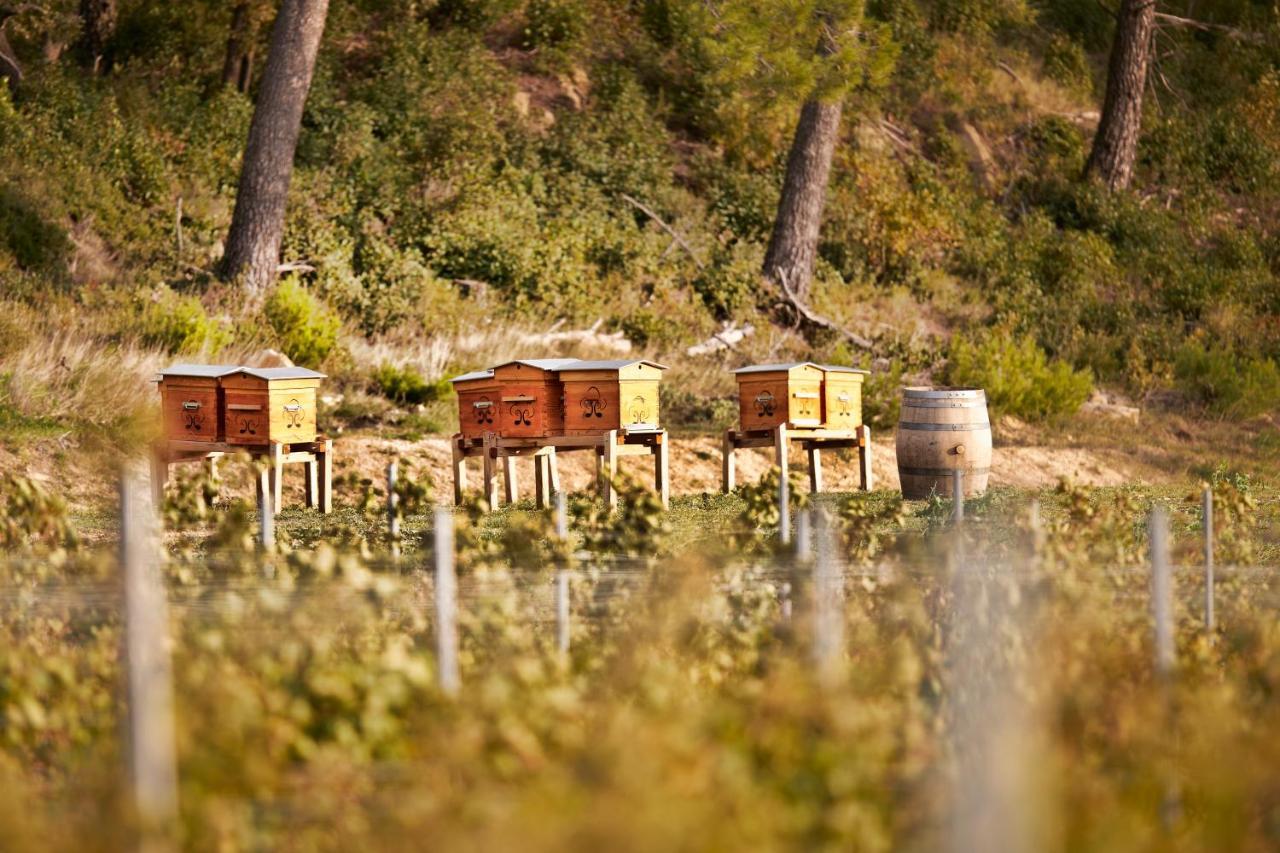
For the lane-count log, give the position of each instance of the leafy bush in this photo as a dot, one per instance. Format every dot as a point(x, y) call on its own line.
point(1226, 383)
point(1017, 375)
point(405, 386)
point(553, 23)
point(34, 242)
point(179, 324)
point(307, 329)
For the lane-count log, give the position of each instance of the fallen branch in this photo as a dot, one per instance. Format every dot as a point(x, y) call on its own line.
point(675, 235)
point(812, 320)
point(295, 266)
point(726, 338)
point(593, 338)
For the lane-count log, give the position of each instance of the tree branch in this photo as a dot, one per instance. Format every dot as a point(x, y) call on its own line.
point(810, 319)
point(1203, 26)
point(675, 235)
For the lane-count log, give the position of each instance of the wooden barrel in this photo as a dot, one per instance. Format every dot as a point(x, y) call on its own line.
point(940, 430)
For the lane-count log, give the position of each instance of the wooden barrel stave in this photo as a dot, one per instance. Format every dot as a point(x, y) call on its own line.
point(939, 430)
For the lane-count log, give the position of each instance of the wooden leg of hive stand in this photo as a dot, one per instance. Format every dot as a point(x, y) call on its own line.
point(610, 462)
point(815, 468)
point(662, 469)
point(553, 468)
point(459, 473)
point(159, 477)
point(509, 479)
point(326, 476)
point(490, 473)
point(313, 481)
point(780, 440)
point(276, 453)
point(726, 464)
point(540, 477)
point(864, 458)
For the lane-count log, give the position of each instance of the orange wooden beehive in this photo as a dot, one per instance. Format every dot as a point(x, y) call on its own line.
point(774, 394)
point(477, 403)
point(191, 401)
point(605, 395)
point(530, 397)
point(270, 404)
point(842, 396)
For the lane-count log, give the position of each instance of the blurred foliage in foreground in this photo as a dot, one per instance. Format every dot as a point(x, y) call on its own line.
point(687, 714)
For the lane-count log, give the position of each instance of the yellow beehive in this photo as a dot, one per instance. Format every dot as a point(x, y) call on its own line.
point(606, 395)
point(842, 397)
point(270, 404)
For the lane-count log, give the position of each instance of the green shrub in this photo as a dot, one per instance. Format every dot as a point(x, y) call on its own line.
point(34, 242)
point(179, 324)
point(1017, 375)
point(1228, 384)
point(553, 23)
point(406, 386)
point(307, 329)
point(732, 280)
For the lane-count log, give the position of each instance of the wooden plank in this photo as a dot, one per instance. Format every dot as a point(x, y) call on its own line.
point(610, 470)
point(490, 472)
point(459, 472)
point(662, 473)
point(815, 469)
point(313, 481)
point(509, 478)
point(276, 456)
point(727, 472)
point(865, 476)
point(780, 449)
point(325, 455)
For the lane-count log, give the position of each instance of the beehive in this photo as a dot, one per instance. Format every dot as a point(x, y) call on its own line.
point(530, 397)
point(477, 403)
point(270, 404)
point(774, 394)
point(842, 397)
point(191, 401)
point(605, 395)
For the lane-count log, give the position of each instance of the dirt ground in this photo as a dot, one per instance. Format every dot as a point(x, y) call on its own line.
point(1095, 452)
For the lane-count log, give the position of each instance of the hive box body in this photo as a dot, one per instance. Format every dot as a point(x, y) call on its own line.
point(606, 395)
point(774, 394)
point(842, 397)
point(530, 397)
point(266, 405)
point(478, 403)
point(191, 401)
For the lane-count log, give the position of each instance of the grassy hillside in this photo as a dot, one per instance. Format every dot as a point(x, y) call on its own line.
point(472, 173)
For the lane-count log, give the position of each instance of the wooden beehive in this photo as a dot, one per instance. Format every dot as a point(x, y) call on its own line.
point(774, 394)
point(477, 403)
point(605, 395)
point(191, 401)
point(842, 397)
point(270, 404)
point(530, 397)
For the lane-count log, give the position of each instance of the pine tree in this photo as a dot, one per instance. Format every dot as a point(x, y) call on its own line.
point(1115, 148)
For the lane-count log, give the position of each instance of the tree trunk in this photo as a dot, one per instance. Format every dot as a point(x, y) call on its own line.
point(99, 17)
point(9, 68)
point(793, 247)
point(237, 68)
point(257, 226)
point(1115, 148)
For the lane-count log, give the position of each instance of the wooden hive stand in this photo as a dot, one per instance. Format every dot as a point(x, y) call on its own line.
point(211, 411)
point(818, 406)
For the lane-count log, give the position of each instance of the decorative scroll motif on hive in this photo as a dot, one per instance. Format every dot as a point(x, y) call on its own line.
point(765, 404)
point(639, 410)
point(484, 410)
point(522, 413)
point(593, 404)
point(293, 414)
point(193, 421)
point(846, 404)
point(248, 424)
